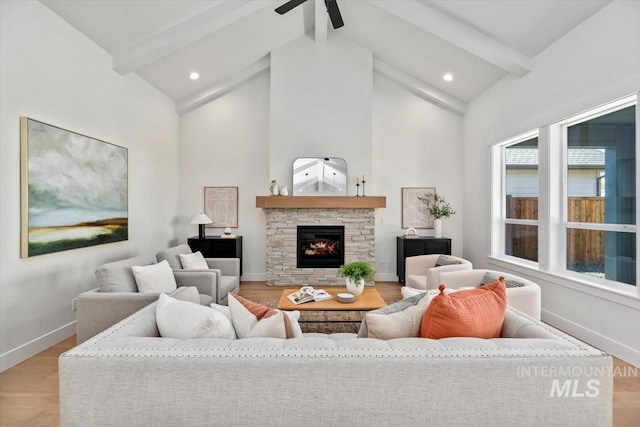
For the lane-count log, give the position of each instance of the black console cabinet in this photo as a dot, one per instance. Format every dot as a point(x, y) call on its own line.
point(423, 245)
point(218, 247)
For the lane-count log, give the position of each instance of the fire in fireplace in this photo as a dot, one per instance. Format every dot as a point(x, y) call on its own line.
point(320, 246)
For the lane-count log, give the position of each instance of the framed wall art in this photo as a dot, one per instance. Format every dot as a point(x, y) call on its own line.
point(221, 206)
point(414, 212)
point(74, 190)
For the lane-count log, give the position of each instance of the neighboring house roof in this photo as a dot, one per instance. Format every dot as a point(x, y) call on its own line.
point(578, 157)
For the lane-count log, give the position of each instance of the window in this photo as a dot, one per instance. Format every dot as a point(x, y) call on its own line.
point(520, 198)
point(599, 240)
point(582, 174)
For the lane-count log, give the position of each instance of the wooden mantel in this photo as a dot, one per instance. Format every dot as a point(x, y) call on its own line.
point(320, 202)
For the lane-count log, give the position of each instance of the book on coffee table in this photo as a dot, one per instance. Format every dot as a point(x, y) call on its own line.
point(308, 294)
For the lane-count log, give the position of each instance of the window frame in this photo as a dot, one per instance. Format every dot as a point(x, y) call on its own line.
point(566, 224)
point(553, 202)
point(500, 205)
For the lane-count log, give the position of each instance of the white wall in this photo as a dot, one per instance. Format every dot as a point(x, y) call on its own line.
point(396, 138)
point(52, 73)
point(415, 144)
point(225, 143)
point(597, 62)
point(321, 97)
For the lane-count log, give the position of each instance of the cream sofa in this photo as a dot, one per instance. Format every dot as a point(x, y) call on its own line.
point(423, 271)
point(532, 375)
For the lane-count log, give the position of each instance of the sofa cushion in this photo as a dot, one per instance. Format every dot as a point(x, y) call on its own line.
point(251, 319)
point(206, 299)
point(155, 278)
point(475, 313)
point(118, 276)
point(417, 281)
point(187, 293)
point(227, 284)
point(222, 309)
point(194, 261)
point(186, 320)
point(398, 320)
point(172, 255)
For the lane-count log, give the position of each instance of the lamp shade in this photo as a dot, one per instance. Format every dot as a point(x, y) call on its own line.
point(201, 219)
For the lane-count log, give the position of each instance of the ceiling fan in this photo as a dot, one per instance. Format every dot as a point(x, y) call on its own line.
point(332, 10)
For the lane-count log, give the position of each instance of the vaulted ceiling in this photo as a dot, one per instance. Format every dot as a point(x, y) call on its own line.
point(414, 42)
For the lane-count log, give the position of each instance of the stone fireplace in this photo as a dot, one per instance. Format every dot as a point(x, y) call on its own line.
point(282, 269)
point(283, 216)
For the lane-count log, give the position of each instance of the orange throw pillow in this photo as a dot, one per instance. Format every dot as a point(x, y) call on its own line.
point(475, 313)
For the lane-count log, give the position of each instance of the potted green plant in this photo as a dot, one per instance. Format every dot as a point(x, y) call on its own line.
point(438, 207)
point(356, 273)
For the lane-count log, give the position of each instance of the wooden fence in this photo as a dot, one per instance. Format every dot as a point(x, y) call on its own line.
point(583, 246)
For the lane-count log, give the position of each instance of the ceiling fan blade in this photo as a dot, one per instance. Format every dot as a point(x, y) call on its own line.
point(288, 6)
point(334, 13)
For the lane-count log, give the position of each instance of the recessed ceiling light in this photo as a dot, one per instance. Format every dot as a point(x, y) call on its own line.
point(448, 77)
point(194, 76)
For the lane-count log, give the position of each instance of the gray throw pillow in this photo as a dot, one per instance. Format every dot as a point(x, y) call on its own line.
point(509, 283)
point(446, 260)
point(397, 319)
point(118, 276)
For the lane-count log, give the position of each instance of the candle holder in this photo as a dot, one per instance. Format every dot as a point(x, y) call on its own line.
point(363, 181)
point(357, 189)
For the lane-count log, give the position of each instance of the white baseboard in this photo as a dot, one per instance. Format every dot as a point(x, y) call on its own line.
point(254, 277)
point(262, 277)
point(386, 277)
point(606, 344)
point(33, 347)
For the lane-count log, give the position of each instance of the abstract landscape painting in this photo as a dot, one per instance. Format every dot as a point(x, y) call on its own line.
point(74, 190)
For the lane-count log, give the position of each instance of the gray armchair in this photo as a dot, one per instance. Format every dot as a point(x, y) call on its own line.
point(227, 270)
point(117, 296)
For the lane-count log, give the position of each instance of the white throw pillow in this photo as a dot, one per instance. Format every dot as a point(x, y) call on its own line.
point(154, 278)
point(186, 320)
point(194, 261)
point(294, 317)
point(222, 309)
point(251, 319)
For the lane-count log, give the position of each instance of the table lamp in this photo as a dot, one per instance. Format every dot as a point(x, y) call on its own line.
point(201, 219)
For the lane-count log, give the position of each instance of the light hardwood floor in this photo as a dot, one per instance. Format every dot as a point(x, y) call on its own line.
point(29, 391)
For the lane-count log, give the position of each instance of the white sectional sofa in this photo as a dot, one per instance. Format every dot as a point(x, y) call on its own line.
point(533, 375)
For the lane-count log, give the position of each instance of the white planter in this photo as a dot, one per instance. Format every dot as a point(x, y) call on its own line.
point(437, 227)
point(355, 288)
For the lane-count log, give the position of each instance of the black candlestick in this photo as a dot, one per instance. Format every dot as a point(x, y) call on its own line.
point(357, 189)
point(363, 187)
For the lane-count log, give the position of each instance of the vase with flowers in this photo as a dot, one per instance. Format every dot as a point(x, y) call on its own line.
point(439, 208)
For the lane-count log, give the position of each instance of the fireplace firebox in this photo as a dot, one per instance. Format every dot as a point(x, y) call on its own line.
point(320, 246)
